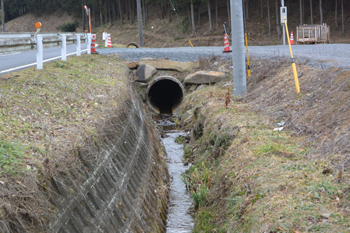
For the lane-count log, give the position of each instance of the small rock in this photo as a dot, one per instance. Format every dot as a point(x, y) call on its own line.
point(201, 87)
point(132, 65)
point(326, 215)
point(145, 72)
point(193, 87)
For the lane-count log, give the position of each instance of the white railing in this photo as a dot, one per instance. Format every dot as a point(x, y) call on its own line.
point(22, 42)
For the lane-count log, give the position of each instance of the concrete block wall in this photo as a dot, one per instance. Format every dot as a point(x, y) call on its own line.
point(118, 189)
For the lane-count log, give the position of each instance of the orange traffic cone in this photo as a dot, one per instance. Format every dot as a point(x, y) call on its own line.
point(109, 41)
point(227, 45)
point(291, 38)
point(93, 48)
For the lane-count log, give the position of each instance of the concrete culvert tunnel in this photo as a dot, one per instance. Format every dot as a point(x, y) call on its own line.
point(165, 94)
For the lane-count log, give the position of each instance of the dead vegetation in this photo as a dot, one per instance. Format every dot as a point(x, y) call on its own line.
point(52, 123)
point(246, 177)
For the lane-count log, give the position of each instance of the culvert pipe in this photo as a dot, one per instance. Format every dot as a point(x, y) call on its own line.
point(165, 94)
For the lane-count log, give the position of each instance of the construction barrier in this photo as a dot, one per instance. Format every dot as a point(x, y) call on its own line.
point(109, 41)
point(93, 48)
point(291, 38)
point(226, 42)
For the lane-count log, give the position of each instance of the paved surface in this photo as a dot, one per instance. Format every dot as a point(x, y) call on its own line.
point(12, 62)
point(321, 55)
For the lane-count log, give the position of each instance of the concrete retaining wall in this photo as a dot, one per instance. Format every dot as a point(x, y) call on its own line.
point(119, 189)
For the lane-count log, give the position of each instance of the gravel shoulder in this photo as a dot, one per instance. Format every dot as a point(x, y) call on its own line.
point(318, 56)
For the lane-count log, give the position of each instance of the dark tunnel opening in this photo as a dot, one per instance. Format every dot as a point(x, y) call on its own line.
point(165, 94)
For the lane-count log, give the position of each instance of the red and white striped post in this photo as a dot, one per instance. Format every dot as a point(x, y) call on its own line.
point(93, 49)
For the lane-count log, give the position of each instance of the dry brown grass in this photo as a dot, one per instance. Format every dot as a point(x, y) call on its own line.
point(52, 121)
point(260, 180)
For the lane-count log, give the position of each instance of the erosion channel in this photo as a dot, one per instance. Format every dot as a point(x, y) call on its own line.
point(180, 218)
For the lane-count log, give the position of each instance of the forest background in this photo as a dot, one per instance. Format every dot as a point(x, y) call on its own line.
point(173, 22)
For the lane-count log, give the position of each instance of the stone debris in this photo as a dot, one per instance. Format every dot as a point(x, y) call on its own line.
point(205, 77)
point(145, 72)
point(169, 65)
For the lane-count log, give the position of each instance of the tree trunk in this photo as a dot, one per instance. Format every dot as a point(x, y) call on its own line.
point(336, 13)
point(3, 16)
point(114, 12)
point(130, 13)
point(109, 12)
point(246, 10)
point(189, 16)
point(192, 19)
point(311, 14)
point(101, 19)
point(268, 17)
point(120, 11)
point(169, 11)
point(229, 14)
point(105, 15)
point(144, 11)
point(209, 16)
point(278, 27)
point(342, 16)
point(216, 13)
point(321, 13)
point(161, 10)
point(199, 14)
point(301, 11)
point(84, 17)
point(262, 9)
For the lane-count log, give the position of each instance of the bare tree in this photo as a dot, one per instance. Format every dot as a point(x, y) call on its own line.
point(262, 9)
point(336, 13)
point(321, 13)
point(229, 13)
point(101, 20)
point(209, 16)
point(2, 16)
point(268, 17)
point(278, 27)
point(301, 11)
point(192, 19)
point(216, 13)
point(342, 16)
point(311, 14)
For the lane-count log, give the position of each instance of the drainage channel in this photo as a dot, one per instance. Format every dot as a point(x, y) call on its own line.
point(180, 211)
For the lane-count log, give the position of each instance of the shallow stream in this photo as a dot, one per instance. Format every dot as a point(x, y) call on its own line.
point(180, 215)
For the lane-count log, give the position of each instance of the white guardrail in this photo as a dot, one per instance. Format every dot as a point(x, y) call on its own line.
point(12, 43)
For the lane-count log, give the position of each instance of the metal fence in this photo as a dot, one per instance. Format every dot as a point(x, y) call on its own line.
point(14, 42)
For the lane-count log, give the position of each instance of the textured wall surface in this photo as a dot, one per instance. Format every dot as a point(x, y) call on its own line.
point(122, 192)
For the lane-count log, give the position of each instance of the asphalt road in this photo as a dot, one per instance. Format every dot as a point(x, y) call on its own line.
point(17, 61)
point(320, 56)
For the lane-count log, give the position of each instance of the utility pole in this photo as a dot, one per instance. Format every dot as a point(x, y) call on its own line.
point(3, 15)
point(284, 29)
point(238, 51)
point(139, 17)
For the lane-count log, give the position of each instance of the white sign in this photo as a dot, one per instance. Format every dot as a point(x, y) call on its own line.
point(283, 13)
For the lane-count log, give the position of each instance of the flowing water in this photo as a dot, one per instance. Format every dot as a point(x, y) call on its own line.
point(180, 216)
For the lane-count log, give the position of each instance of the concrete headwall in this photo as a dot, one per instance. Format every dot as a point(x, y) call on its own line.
point(119, 190)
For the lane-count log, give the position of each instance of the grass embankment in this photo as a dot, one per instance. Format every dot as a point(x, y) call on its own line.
point(44, 116)
point(246, 177)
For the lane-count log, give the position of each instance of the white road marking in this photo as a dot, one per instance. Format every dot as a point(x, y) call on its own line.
point(10, 54)
point(33, 64)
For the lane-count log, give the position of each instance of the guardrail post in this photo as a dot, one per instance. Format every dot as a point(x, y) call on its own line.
point(64, 48)
point(39, 52)
point(78, 46)
point(88, 43)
